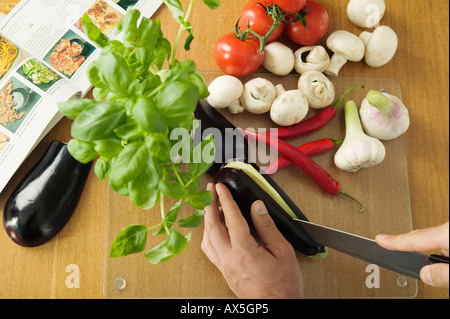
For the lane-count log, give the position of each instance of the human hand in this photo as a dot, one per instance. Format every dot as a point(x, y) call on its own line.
point(251, 271)
point(422, 241)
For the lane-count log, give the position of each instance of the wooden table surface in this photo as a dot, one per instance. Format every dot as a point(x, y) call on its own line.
point(421, 66)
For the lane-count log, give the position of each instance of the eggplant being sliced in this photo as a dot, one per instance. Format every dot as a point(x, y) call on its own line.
point(45, 200)
point(230, 144)
point(247, 185)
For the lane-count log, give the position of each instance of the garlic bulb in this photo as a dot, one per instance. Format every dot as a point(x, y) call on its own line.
point(384, 116)
point(358, 150)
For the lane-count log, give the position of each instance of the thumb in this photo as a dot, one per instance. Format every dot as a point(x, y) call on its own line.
point(267, 231)
point(435, 275)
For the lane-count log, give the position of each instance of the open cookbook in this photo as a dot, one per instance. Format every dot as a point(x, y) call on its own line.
point(43, 59)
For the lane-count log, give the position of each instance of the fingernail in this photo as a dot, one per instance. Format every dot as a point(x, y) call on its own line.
point(381, 237)
point(260, 208)
point(425, 274)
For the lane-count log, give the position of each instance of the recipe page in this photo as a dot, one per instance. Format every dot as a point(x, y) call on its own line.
point(44, 55)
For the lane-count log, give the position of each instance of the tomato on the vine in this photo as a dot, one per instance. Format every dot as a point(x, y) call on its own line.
point(289, 6)
point(317, 22)
point(256, 16)
point(238, 57)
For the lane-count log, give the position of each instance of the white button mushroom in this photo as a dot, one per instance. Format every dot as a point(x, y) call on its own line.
point(225, 92)
point(289, 108)
point(381, 46)
point(366, 13)
point(317, 88)
point(346, 47)
point(311, 58)
point(279, 58)
point(258, 96)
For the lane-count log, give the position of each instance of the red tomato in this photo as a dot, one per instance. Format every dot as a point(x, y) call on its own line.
point(236, 57)
point(255, 15)
point(317, 23)
point(289, 6)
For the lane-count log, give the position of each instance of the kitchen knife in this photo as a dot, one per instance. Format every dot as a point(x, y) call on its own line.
point(405, 263)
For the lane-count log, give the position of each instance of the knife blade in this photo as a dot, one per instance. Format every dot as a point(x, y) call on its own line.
point(405, 263)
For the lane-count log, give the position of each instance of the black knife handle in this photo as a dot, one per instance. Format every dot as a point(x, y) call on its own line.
point(435, 259)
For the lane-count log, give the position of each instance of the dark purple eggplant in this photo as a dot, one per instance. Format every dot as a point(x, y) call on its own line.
point(246, 191)
point(46, 198)
point(228, 147)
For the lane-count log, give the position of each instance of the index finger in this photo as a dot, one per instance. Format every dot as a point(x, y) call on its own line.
point(237, 225)
point(422, 240)
point(215, 230)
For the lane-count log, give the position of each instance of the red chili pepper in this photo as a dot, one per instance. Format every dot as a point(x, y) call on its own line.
point(310, 149)
point(320, 176)
point(311, 168)
point(314, 123)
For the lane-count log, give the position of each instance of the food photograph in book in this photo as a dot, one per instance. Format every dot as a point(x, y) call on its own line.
point(104, 16)
point(69, 54)
point(6, 7)
point(16, 102)
point(39, 74)
point(10, 56)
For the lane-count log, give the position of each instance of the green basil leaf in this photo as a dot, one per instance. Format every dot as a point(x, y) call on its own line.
point(131, 240)
point(128, 164)
point(176, 242)
point(149, 33)
point(149, 84)
point(73, 108)
point(98, 122)
point(116, 74)
point(129, 131)
point(128, 25)
point(108, 148)
point(200, 200)
point(175, 8)
point(148, 116)
point(101, 167)
point(177, 101)
point(93, 32)
point(92, 72)
point(159, 254)
point(173, 190)
point(162, 52)
point(190, 37)
point(212, 4)
point(197, 79)
point(99, 94)
point(142, 196)
point(159, 146)
point(143, 189)
point(83, 152)
point(194, 220)
point(181, 71)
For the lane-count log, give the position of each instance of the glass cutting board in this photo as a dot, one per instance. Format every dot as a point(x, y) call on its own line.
point(383, 189)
